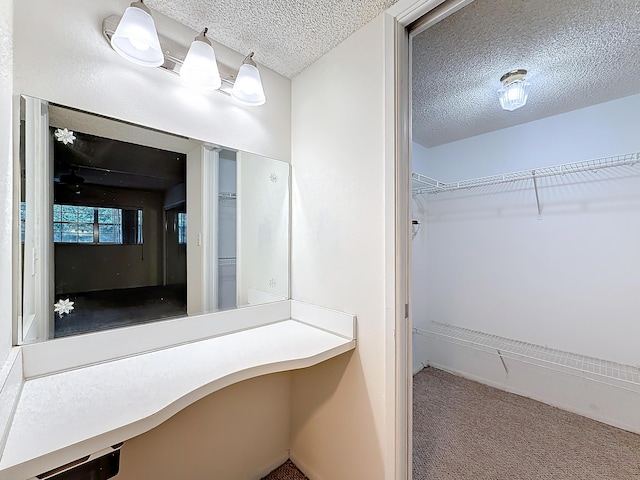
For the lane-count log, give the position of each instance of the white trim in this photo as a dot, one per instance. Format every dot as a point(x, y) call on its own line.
point(405, 12)
point(408, 11)
point(11, 380)
point(68, 353)
point(16, 260)
point(37, 308)
point(339, 323)
point(304, 467)
point(266, 470)
point(432, 17)
point(621, 422)
point(210, 214)
point(240, 260)
point(403, 336)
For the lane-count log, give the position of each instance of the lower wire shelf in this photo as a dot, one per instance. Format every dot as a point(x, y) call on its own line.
point(596, 369)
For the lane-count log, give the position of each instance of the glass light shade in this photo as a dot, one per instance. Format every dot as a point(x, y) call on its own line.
point(513, 95)
point(248, 86)
point(200, 67)
point(136, 38)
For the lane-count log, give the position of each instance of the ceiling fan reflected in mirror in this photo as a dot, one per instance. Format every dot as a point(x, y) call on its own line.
point(72, 179)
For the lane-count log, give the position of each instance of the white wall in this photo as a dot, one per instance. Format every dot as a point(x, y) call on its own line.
point(419, 158)
point(238, 433)
point(6, 176)
point(568, 280)
point(598, 131)
point(340, 411)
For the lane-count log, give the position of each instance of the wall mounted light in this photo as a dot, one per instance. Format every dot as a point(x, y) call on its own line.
point(248, 86)
point(514, 91)
point(197, 65)
point(200, 67)
point(136, 38)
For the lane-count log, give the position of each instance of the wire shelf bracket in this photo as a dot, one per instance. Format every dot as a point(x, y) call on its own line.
point(535, 189)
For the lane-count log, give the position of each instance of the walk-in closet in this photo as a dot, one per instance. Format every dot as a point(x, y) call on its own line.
point(525, 258)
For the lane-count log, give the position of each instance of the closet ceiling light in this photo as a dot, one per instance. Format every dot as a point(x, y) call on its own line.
point(136, 38)
point(200, 67)
point(514, 91)
point(248, 87)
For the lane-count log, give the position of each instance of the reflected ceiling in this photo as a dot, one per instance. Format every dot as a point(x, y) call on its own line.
point(93, 160)
point(577, 52)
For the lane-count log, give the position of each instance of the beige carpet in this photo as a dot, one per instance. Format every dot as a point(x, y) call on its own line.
point(464, 430)
point(286, 471)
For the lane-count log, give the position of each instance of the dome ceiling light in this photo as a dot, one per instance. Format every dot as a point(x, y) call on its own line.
point(514, 91)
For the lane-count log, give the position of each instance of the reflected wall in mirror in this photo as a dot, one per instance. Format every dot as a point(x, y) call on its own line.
point(123, 225)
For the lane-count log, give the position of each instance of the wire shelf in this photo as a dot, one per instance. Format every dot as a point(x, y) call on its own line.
point(421, 184)
point(226, 196)
point(226, 260)
point(603, 370)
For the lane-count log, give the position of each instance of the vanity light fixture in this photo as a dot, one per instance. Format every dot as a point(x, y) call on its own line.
point(132, 36)
point(248, 86)
point(200, 67)
point(514, 91)
point(136, 38)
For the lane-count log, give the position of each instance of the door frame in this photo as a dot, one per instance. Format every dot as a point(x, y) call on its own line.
point(407, 19)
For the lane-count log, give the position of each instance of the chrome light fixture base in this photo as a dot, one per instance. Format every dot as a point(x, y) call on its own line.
point(141, 6)
point(512, 76)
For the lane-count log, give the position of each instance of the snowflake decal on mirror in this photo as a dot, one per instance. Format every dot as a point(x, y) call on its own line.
point(273, 177)
point(272, 282)
point(63, 306)
point(65, 136)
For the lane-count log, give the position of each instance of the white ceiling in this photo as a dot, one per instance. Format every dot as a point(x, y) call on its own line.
point(286, 35)
point(577, 52)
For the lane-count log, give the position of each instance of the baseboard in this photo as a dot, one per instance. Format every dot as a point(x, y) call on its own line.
point(304, 468)
point(595, 400)
point(263, 472)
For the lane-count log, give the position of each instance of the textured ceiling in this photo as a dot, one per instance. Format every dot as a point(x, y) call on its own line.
point(286, 35)
point(577, 52)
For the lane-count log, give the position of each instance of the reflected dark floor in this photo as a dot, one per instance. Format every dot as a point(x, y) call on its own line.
point(107, 309)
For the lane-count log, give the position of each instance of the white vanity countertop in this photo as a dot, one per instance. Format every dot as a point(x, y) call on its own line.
point(64, 416)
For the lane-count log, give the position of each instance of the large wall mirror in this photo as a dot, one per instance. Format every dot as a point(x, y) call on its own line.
point(122, 225)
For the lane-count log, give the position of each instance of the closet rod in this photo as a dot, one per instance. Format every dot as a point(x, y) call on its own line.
point(425, 185)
